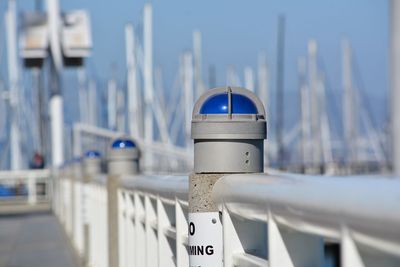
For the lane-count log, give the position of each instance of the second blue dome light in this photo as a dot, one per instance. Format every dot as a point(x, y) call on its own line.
point(123, 143)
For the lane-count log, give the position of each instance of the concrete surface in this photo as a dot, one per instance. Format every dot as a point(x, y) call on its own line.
point(34, 240)
point(200, 188)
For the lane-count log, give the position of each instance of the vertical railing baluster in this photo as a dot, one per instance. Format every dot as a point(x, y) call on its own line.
point(140, 231)
point(151, 234)
point(182, 257)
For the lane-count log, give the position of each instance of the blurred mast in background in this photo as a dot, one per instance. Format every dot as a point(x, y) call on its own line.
point(134, 114)
point(262, 76)
point(280, 117)
point(187, 63)
point(395, 83)
point(249, 78)
point(112, 104)
point(83, 96)
point(197, 58)
point(328, 167)
point(349, 105)
point(56, 100)
point(15, 137)
point(121, 110)
point(148, 78)
point(37, 105)
point(305, 136)
point(92, 102)
point(232, 78)
point(314, 104)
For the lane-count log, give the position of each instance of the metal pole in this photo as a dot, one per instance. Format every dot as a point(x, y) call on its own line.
point(263, 94)
point(120, 111)
point(348, 105)
point(148, 79)
point(92, 103)
point(56, 101)
point(315, 115)
point(57, 126)
point(395, 82)
point(188, 93)
point(232, 78)
point(112, 105)
point(37, 104)
point(304, 114)
point(325, 129)
point(249, 78)
point(199, 87)
point(134, 114)
point(280, 91)
point(11, 27)
point(263, 80)
point(82, 95)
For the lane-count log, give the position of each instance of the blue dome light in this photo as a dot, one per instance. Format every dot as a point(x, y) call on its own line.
point(218, 104)
point(123, 143)
point(92, 154)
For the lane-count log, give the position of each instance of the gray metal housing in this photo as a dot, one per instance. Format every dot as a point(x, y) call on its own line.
point(229, 143)
point(123, 161)
point(91, 166)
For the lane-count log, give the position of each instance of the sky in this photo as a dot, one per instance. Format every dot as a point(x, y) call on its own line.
point(235, 32)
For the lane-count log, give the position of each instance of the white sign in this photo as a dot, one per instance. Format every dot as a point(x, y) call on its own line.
point(205, 239)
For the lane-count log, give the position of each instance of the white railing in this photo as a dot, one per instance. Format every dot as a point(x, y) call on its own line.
point(268, 220)
point(283, 220)
point(29, 187)
point(153, 222)
point(152, 214)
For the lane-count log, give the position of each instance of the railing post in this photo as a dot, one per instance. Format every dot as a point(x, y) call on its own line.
point(123, 160)
point(228, 128)
point(91, 167)
point(76, 202)
point(32, 199)
point(71, 195)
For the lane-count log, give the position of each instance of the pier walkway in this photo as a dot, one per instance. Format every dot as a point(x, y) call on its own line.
point(34, 239)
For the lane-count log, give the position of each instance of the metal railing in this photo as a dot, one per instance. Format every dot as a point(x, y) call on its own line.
point(268, 220)
point(24, 187)
point(153, 221)
point(283, 220)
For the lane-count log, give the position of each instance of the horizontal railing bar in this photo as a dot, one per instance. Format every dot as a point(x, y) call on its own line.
point(26, 174)
point(167, 187)
point(244, 260)
point(170, 232)
point(366, 205)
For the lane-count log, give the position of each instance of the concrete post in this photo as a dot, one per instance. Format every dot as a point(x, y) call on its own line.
point(91, 167)
point(123, 160)
point(228, 128)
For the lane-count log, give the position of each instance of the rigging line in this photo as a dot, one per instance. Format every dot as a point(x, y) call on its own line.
point(364, 98)
point(365, 103)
